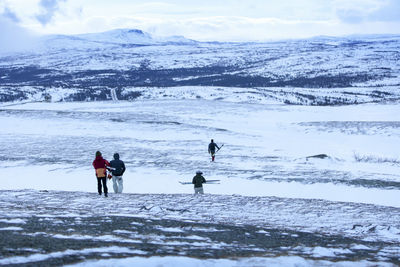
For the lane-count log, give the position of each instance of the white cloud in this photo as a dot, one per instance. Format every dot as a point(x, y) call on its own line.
point(48, 10)
point(15, 38)
point(359, 11)
point(241, 28)
point(220, 20)
point(9, 14)
point(390, 11)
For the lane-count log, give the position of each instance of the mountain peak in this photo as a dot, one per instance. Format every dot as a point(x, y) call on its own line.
point(124, 37)
point(137, 31)
point(120, 36)
point(132, 36)
point(126, 31)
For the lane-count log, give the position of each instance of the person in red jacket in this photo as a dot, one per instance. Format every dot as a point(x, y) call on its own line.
point(100, 165)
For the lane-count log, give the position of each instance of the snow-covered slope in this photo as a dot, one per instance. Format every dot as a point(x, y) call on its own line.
point(63, 45)
point(299, 185)
point(132, 37)
point(120, 36)
point(93, 64)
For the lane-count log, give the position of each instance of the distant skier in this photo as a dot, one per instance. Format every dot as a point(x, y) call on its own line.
point(198, 181)
point(211, 149)
point(117, 168)
point(100, 165)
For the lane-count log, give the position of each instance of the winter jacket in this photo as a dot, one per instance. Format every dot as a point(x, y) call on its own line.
point(211, 147)
point(198, 180)
point(117, 166)
point(100, 165)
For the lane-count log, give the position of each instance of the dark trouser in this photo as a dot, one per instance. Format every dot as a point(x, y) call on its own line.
point(212, 155)
point(104, 180)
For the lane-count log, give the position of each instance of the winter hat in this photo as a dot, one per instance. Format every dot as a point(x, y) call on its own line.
point(98, 154)
point(199, 172)
point(116, 156)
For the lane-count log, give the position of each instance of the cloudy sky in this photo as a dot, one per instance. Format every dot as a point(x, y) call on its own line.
point(220, 20)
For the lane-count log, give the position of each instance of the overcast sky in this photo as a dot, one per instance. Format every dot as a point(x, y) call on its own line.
point(220, 20)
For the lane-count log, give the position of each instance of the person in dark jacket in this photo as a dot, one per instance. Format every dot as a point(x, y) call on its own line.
point(198, 181)
point(100, 166)
point(117, 168)
point(211, 149)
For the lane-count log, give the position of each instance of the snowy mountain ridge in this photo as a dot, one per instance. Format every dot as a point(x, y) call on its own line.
point(131, 36)
point(107, 40)
point(121, 36)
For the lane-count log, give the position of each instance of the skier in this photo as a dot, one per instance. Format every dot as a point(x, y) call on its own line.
point(211, 149)
point(117, 167)
point(100, 166)
point(198, 181)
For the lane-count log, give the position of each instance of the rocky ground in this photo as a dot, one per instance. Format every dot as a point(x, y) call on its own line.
point(42, 228)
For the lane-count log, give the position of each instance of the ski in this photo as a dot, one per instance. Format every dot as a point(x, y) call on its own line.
point(208, 182)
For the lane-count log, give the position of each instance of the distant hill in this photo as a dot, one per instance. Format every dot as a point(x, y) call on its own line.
point(88, 66)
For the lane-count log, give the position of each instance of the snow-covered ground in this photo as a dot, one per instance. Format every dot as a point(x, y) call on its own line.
point(163, 142)
point(54, 227)
point(356, 69)
point(268, 175)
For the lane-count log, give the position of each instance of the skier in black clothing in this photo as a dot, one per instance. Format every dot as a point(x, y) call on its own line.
point(211, 149)
point(117, 168)
point(198, 181)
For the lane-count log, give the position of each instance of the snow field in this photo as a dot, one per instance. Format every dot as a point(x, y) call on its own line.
point(267, 175)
